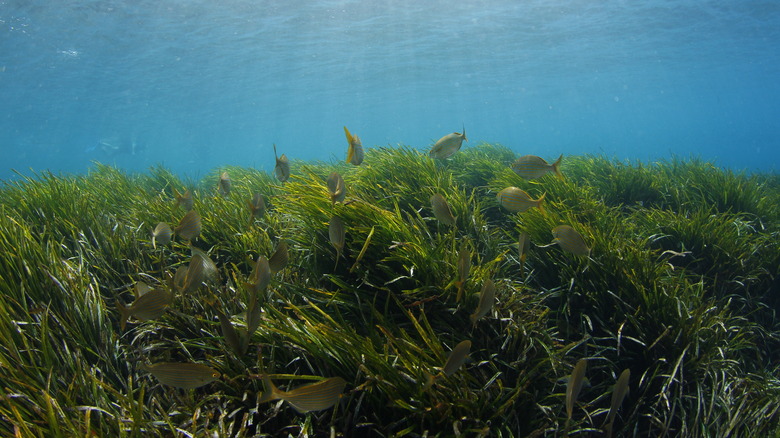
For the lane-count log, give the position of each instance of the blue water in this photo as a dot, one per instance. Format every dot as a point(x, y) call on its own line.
point(197, 84)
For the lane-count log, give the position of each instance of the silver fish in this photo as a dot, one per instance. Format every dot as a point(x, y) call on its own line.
point(182, 374)
point(532, 167)
point(307, 398)
point(441, 209)
point(448, 145)
point(570, 240)
point(162, 234)
point(518, 201)
point(486, 299)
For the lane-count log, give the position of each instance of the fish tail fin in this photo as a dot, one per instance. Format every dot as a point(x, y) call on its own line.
point(271, 391)
point(124, 314)
point(351, 149)
point(556, 167)
point(464, 133)
point(540, 204)
point(275, 154)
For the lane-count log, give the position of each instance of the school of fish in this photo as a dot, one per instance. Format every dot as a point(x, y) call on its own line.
point(151, 302)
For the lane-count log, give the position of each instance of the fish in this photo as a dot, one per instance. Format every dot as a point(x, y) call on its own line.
point(256, 207)
point(337, 236)
point(518, 201)
point(150, 305)
point(618, 394)
point(162, 234)
point(456, 358)
point(448, 145)
point(180, 277)
point(209, 267)
point(195, 274)
point(570, 240)
point(279, 258)
point(524, 243)
point(261, 275)
point(532, 167)
point(254, 313)
point(355, 150)
point(464, 266)
point(486, 299)
point(282, 168)
point(184, 375)
point(316, 396)
point(224, 184)
point(141, 288)
point(189, 226)
point(441, 209)
point(229, 333)
point(574, 386)
point(336, 188)
point(185, 200)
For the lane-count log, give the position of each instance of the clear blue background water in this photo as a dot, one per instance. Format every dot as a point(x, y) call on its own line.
point(197, 84)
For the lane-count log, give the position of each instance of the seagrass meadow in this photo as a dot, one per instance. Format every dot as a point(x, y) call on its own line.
point(681, 287)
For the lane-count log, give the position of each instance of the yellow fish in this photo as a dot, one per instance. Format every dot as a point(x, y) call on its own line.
point(448, 145)
point(224, 184)
point(518, 201)
point(441, 209)
point(336, 188)
point(185, 200)
point(355, 151)
point(574, 386)
point(189, 225)
point(162, 234)
point(150, 305)
point(282, 168)
point(486, 299)
point(307, 398)
point(279, 258)
point(183, 375)
point(532, 167)
point(570, 240)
